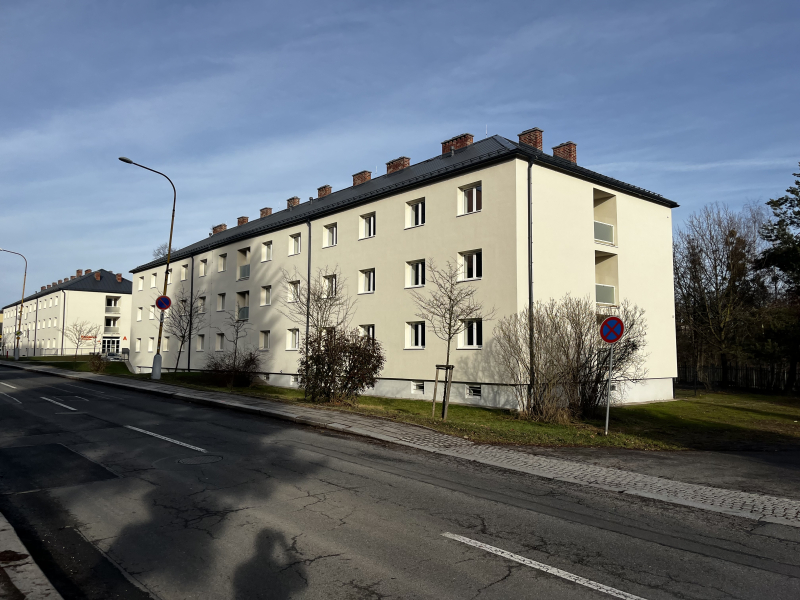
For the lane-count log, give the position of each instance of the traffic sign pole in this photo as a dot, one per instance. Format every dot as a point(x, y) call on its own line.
point(611, 330)
point(608, 386)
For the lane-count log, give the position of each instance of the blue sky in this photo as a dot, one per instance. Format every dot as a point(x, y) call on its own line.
point(245, 104)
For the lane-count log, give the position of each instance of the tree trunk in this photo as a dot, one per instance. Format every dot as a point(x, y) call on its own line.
point(177, 362)
point(447, 378)
point(724, 360)
point(791, 376)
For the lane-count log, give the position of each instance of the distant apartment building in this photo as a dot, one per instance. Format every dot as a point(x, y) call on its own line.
point(99, 298)
point(496, 206)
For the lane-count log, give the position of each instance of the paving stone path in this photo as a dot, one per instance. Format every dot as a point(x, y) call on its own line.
point(752, 506)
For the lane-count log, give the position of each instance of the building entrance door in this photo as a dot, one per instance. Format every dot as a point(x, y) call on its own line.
point(110, 345)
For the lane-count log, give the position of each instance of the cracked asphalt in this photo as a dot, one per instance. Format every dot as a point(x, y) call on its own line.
point(277, 510)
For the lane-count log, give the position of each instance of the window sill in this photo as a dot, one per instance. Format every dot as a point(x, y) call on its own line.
point(369, 237)
point(470, 279)
point(415, 226)
point(470, 348)
point(605, 243)
point(199, 350)
point(267, 260)
point(366, 293)
point(330, 246)
point(263, 349)
point(415, 348)
point(265, 304)
point(413, 287)
point(474, 212)
point(243, 279)
point(295, 254)
point(292, 349)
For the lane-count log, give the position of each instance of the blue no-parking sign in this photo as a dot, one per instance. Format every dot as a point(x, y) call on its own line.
point(163, 302)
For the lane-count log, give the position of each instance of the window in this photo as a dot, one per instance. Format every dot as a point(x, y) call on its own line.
point(293, 339)
point(367, 277)
point(266, 295)
point(294, 244)
point(150, 344)
point(263, 340)
point(416, 213)
point(266, 251)
point(153, 280)
point(184, 272)
point(473, 390)
point(201, 342)
point(331, 236)
point(472, 199)
point(330, 286)
point(203, 267)
point(368, 331)
point(220, 342)
point(222, 262)
point(55, 301)
point(417, 387)
point(416, 335)
point(220, 301)
point(368, 226)
point(169, 277)
point(416, 273)
point(152, 311)
point(293, 380)
point(471, 265)
point(138, 345)
point(472, 336)
point(141, 283)
point(201, 304)
point(165, 343)
point(293, 291)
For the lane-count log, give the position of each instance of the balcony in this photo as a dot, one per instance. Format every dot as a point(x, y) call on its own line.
point(244, 313)
point(605, 294)
point(110, 329)
point(603, 232)
point(244, 272)
point(112, 309)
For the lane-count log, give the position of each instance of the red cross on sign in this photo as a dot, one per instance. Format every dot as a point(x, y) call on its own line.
point(611, 330)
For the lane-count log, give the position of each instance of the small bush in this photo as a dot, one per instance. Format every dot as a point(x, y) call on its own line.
point(339, 366)
point(97, 364)
point(231, 368)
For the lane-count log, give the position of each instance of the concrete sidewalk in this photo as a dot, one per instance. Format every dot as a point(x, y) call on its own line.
point(20, 577)
point(754, 506)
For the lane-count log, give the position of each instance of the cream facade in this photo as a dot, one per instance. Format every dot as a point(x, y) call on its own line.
point(100, 298)
point(376, 233)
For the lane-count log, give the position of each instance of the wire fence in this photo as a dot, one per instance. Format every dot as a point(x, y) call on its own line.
point(771, 378)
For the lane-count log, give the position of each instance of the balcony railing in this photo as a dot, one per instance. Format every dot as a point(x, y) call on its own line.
point(603, 232)
point(605, 294)
point(244, 313)
point(112, 309)
point(244, 271)
point(110, 329)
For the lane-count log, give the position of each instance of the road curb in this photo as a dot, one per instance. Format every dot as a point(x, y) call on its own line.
point(23, 573)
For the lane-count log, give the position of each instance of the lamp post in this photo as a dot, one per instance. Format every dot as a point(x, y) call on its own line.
point(21, 304)
point(156, 371)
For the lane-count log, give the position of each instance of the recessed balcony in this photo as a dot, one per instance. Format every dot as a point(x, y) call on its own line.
point(112, 309)
point(605, 294)
point(603, 232)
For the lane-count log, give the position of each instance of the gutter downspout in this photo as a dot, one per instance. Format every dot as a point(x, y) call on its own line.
point(308, 291)
point(191, 312)
point(531, 377)
point(63, 317)
point(36, 326)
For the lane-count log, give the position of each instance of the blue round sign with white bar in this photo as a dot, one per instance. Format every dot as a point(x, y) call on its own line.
point(163, 302)
point(611, 330)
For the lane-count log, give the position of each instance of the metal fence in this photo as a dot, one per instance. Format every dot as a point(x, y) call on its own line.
point(745, 377)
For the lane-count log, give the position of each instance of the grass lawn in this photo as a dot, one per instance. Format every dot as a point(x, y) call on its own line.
point(709, 421)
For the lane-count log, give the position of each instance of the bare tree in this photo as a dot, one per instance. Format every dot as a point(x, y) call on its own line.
point(324, 300)
point(185, 319)
point(81, 333)
point(569, 372)
point(160, 251)
point(448, 306)
point(234, 330)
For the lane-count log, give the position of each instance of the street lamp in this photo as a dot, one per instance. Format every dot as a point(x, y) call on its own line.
point(21, 304)
point(156, 371)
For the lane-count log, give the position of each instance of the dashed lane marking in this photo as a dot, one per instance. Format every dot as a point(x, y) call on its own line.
point(166, 439)
point(59, 403)
point(12, 397)
point(546, 568)
point(13, 387)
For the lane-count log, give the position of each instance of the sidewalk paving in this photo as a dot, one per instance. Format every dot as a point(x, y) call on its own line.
point(20, 577)
point(760, 507)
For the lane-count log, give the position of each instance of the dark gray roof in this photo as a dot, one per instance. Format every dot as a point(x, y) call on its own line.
point(85, 283)
point(477, 155)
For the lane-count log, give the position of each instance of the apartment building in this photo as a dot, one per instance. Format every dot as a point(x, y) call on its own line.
point(99, 298)
point(523, 224)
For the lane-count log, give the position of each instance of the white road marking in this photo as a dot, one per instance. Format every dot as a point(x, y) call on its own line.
point(59, 403)
point(546, 568)
point(79, 398)
point(12, 397)
point(166, 439)
point(82, 388)
point(8, 385)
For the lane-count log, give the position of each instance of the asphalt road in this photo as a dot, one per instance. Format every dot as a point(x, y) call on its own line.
point(266, 509)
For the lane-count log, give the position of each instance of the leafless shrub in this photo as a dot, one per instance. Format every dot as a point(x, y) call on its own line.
point(97, 363)
point(185, 319)
point(81, 333)
point(239, 368)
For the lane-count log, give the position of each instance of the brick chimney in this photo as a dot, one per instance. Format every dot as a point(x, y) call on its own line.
point(323, 191)
point(218, 228)
point(88, 271)
point(71, 277)
point(78, 272)
point(54, 284)
point(458, 142)
point(293, 201)
point(532, 137)
point(44, 287)
point(398, 164)
point(567, 151)
point(60, 281)
point(48, 286)
point(361, 177)
point(97, 275)
point(242, 221)
point(265, 212)
point(119, 277)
